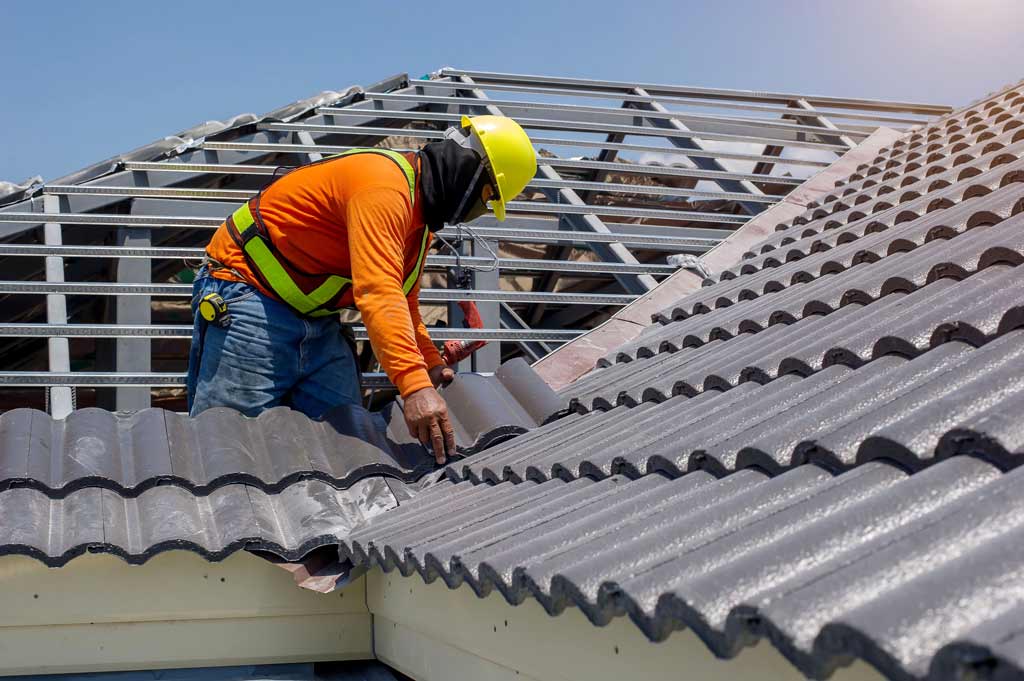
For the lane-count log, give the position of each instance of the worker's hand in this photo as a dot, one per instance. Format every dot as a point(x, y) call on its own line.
point(441, 375)
point(426, 415)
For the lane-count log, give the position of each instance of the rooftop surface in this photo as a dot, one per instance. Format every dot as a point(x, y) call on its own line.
point(818, 448)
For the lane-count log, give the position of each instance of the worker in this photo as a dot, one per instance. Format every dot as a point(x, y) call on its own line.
point(349, 231)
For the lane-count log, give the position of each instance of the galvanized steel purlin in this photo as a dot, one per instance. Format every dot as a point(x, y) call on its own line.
point(667, 99)
point(279, 147)
point(433, 261)
point(569, 108)
point(98, 288)
point(668, 171)
point(499, 233)
point(185, 331)
point(546, 124)
point(671, 207)
point(482, 78)
point(28, 379)
point(242, 195)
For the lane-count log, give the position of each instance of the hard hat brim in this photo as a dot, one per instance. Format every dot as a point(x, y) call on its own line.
point(502, 186)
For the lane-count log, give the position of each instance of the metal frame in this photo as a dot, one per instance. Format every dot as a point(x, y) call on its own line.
point(54, 330)
point(60, 399)
point(146, 290)
point(627, 210)
point(538, 141)
point(649, 238)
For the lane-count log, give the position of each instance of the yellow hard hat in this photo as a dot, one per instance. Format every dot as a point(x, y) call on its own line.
point(509, 153)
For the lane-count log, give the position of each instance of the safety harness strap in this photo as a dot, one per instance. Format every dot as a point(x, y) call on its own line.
point(249, 233)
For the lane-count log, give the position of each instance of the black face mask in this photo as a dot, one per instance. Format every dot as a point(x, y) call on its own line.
point(452, 179)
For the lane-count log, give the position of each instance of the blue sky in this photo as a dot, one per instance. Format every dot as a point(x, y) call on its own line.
point(83, 81)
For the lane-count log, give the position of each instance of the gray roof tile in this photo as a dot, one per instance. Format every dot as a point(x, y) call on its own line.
point(825, 567)
point(891, 408)
point(810, 450)
point(290, 523)
point(132, 452)
point(488, 410)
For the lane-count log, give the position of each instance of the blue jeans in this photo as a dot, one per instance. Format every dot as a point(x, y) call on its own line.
point(268, 356)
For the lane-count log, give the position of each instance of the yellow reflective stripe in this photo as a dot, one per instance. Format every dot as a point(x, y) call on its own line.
point(403, 163)
point(323, 313)
point(410, 176)
point(282, 283)
point(243, 217)
point(284, 286)
point(410, 281)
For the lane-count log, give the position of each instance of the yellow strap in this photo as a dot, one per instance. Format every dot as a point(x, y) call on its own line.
point(243, 217)
point(285, 287)
point(410, 281)
point(410, 174)
point(282, 283)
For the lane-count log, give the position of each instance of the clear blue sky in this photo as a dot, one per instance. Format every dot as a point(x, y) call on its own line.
point(83, 81)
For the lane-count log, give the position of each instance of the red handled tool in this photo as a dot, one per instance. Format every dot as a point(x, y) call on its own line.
point(457, 350)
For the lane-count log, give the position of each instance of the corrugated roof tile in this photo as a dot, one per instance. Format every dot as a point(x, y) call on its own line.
point(289, 523)
point(822, 566)
point(131, 452)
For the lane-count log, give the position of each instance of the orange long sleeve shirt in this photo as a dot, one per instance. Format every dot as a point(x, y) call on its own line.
point(351, 216)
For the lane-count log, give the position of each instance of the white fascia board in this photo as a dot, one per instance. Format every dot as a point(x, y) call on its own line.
point(432, 633)
point(100, 614)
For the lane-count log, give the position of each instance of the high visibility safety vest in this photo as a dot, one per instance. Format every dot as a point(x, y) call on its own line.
point(312, 295)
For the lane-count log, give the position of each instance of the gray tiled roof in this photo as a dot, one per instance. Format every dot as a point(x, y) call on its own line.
point(289, 523)
point(130, 452)
point(820, 447)
point(891, 408)
point(867, 563)
point(975, 310)
point(780, 270)
point(136, 484)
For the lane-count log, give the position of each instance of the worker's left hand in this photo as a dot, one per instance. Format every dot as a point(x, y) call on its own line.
point(441, 375)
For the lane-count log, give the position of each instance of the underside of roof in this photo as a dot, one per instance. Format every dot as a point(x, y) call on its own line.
point(817, 448)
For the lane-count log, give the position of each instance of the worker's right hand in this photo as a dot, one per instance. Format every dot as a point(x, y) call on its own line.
point(441, 375)
point(426, 415)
